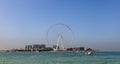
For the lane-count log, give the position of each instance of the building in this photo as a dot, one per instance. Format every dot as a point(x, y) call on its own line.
point(82, 48)
point(28, 47)
point(48, 49)
point(69, 49)
point(54, 46)
point(42, 46)
point(39, 46)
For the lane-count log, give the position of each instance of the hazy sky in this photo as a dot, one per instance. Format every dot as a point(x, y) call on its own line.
point(95, 23)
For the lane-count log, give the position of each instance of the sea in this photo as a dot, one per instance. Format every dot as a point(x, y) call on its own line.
point(59, 58)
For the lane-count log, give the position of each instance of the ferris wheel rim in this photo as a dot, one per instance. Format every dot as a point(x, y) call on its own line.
point(62, 24)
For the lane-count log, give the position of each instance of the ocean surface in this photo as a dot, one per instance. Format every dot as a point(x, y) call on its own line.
point(59, 58)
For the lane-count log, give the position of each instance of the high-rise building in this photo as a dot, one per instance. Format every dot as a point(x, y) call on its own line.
point(39, 46)
point(28, 47)
point(42, 46)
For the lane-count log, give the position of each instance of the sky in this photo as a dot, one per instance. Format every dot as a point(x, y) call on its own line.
point(95, 23)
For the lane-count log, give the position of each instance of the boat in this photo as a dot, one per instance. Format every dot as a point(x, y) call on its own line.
point(89, 52)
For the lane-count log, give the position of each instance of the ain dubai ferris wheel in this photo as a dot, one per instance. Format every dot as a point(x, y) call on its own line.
point(60, 35)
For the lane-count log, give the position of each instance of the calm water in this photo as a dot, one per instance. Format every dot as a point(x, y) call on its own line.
point(60, 58)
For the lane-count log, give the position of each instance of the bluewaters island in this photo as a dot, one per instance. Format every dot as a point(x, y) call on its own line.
point(43, 48)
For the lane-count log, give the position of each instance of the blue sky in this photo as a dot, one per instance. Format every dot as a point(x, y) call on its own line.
point(95, 23)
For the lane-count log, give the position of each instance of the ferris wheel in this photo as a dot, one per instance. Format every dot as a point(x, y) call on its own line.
point(60, 34)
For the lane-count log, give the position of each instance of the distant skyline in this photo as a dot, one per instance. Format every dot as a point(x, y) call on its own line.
point(95, 23)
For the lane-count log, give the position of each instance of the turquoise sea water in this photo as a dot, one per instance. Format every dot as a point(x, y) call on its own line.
point(59, 58)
